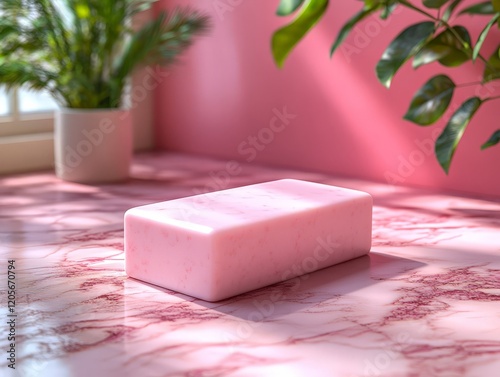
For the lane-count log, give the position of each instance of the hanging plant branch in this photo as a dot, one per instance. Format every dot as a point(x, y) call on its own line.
point(432, 41)
point(285, 39)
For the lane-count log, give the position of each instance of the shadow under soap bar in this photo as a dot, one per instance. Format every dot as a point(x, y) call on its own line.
point(220, 244)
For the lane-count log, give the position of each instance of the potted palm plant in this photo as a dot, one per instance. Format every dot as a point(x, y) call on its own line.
point(83, 52)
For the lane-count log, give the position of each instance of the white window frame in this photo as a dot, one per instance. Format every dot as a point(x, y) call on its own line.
point(26, 139)
point(17, 123)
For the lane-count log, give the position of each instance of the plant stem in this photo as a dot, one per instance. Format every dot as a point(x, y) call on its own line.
point(490, 98)
point(417, 9)
point(469, 84)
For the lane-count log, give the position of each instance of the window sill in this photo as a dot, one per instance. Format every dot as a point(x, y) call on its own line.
point(23, 153)
point(35, 151)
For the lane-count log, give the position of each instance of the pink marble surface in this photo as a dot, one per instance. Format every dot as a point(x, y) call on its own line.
point(425, 302)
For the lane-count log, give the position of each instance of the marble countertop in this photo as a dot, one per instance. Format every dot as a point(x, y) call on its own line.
point(424, 303)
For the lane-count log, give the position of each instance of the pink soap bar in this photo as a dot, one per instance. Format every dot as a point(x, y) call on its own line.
point(220, 244)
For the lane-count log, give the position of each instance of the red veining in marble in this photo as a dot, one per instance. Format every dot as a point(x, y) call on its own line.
point(425, 303)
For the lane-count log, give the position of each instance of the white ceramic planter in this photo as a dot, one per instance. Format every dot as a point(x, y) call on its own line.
point(94, 145)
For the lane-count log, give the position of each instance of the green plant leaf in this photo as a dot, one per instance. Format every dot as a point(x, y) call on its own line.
point(496, 7)
point(492, 69)
point(7, 28)
point(374, 3)
point(159, 41)
point(450, 137)
point(431, 101)
point(82, 10)
point(445, 48)
point(349, 25)
point(286, 38)
point(287, 7)
point(484, 8)
point(387, 6)
point(137, 6)
point(483, 35)
point(22, 73)
point(493, 140)
point(434, 3)
point(449, 10)
point(402, 48)
point(430, 53)
point(388, 9)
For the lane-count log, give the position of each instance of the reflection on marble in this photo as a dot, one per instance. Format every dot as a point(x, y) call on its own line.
point(425, 302)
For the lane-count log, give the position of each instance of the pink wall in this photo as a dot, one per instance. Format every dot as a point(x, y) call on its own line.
point(227, 90)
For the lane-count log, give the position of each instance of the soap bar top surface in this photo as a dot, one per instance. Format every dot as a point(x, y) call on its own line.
point(240, 206)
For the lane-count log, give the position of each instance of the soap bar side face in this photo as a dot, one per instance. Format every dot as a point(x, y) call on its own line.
point(264, 253)
point(168, 256)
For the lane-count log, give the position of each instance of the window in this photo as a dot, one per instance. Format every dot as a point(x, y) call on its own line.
point(25, 112)
point(26, 131)
point(4, 103)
